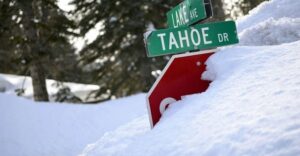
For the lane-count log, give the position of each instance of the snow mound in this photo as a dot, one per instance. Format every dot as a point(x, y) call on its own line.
point(118, 139)
point(272, 32)
point(17, 82)
point(5, 85)
point(251, 108)
point(271, 23)
point(275, 9)
point(28, 128)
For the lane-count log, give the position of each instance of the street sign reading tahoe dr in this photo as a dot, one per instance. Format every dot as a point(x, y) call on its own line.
point(182, 75)
point(187, 13)
point(196, 37)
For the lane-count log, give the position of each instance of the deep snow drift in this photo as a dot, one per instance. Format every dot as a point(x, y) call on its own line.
point(252, 107)
point(271, 23)
point(273, 9)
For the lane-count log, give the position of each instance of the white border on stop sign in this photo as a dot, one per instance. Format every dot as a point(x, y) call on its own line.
point(163, 73)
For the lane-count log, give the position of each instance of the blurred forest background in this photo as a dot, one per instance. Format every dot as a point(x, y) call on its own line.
point(38, 39)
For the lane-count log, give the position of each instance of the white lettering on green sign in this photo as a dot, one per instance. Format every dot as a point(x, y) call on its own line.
point(197, 37)
point(183, 15)
point(186, 13)
point(184, 37)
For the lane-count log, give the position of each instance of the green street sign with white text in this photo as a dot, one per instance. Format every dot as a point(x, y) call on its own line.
point(196, 37)
point(186, 13)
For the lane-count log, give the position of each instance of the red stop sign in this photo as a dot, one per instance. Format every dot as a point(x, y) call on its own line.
point(181, 76)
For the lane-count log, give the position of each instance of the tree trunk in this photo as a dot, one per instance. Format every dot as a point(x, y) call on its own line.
point(38, 81)
point(32, 34)
point(146, 74)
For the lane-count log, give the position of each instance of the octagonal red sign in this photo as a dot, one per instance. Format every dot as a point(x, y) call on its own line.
point(180, 77)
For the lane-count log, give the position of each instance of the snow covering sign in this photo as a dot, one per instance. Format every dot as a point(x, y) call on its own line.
point(181, 79)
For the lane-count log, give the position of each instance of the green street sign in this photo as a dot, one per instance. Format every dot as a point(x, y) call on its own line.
point(186, 13)
point(197, 37)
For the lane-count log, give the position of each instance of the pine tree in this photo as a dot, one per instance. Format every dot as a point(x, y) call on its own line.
point(8, 57)
point(122, 66)
point(37, 32)
point(247, 5)
point(239, 8)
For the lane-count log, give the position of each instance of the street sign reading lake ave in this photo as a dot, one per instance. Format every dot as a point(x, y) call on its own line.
point(182, 74)
point(186, 13)
point(196, 37)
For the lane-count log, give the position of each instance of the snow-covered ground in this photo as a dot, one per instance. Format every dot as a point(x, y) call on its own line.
point(9, 83)
point(55, 129)
point(252, 107)
point(271, 23)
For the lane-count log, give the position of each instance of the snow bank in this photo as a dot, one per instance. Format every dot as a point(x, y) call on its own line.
point(119, 139)
point(274, 9)
point(271, 23)
point(17, 82)
point(5, 85)
point(54, 129)
point(252, 107)
point(272, 32)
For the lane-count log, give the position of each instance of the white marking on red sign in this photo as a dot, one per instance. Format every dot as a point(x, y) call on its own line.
point(164, 103)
